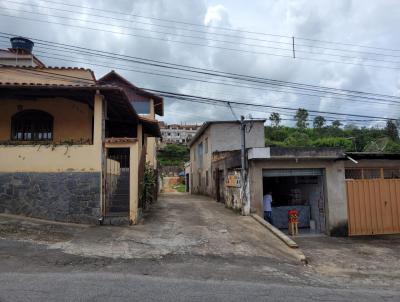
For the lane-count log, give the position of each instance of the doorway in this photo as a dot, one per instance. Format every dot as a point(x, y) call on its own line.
point(219, 185)
point(297, 189)
point(117, 181)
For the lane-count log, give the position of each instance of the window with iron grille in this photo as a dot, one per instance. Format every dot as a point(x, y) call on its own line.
point(32, 125)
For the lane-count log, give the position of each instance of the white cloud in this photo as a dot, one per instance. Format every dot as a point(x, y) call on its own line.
point(216, 15)
point(356, 22)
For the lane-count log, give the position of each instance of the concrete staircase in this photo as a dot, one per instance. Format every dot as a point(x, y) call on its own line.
point(118, 204)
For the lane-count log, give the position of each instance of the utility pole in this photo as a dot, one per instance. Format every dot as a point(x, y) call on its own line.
point(243, 176)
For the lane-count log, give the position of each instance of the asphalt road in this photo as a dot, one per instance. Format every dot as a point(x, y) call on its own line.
point(126, 287)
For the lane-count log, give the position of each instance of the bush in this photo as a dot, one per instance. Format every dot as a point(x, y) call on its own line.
point(173, 155)
point(392, 147)
point(337, 142)
point(298, 139)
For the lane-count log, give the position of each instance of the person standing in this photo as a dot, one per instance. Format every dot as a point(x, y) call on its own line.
point(267, 204)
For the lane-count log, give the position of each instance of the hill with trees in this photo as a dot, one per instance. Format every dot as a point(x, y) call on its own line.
point(321, 134)
point(173, 155)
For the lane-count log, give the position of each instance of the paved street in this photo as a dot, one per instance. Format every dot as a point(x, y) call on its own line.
point(187, 248)
point(126, 287)
point(178, 224)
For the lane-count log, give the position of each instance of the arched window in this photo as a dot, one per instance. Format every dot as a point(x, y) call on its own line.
point(32, 125)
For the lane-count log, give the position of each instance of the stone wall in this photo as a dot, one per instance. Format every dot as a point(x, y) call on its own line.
point(64, 196)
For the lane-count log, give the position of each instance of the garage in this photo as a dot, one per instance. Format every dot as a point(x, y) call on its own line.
point(297, 189)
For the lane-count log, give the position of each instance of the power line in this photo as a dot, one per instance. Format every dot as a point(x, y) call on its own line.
point(216, 27)
point(208, 72)
point(213, 46)
point(198, 99)
point(127, 69)
point(198, 31)
point(205, 39)
point(93, 63)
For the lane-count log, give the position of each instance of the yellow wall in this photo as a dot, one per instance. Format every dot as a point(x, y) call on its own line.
point(48, 159)
point(151, 152)
point(75, 158)
point(46, 76)
point(72, 120)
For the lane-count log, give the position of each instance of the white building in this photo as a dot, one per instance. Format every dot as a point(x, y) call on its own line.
point(178, 134)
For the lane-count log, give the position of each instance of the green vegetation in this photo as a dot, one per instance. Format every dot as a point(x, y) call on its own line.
point(180, 188)
point(349, 137)
point(148, 187)
point(173, 155)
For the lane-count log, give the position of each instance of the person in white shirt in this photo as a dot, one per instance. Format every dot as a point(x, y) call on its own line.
point(267, 204)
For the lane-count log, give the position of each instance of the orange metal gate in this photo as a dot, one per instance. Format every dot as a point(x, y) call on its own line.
point(373, 206)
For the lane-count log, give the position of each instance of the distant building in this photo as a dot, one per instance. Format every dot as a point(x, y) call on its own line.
point(178, 134)
point(217, 136)
point(20, 54)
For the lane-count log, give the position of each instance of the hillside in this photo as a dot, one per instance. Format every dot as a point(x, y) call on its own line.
point(349, 138)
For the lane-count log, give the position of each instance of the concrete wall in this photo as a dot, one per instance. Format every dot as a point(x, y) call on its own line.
point(335, 189)
point(66, 76)
point(373, 163)
point(199, 170)
point(226, 136)
point(151, 152)
point(72, 120)
point(221, 137)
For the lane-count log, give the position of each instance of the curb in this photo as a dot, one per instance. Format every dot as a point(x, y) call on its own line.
point(283, 237)
point(45, 221)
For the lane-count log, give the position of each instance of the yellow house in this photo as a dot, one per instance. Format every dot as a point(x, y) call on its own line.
point(146, 104)
point(71, 149)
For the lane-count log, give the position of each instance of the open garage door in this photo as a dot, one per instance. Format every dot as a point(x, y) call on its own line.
point(373, 202)
point(296, 189)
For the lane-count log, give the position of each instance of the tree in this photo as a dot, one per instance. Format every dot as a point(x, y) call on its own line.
point(319, 122)
point(301, 118)
point(336, 124)
point(173, 155)
point(391, 130)
point(275, 119)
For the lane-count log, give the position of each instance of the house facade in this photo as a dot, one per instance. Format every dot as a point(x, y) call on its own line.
point(334, 192)
point(146, 104)
point(71, 149)
point(178, 134)
point(217, 136)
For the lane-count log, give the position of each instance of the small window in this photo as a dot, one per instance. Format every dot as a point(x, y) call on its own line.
point(207, 178)
point(32, 125)
point(141, 107)
point(206, 145)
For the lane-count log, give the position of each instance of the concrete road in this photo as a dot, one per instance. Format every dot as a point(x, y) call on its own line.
point(187, 248)
point(177, 224)
point(99, 287)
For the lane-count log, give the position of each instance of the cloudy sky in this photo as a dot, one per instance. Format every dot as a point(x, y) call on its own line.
point(114, 26)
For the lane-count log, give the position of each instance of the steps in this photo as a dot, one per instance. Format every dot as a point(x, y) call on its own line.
point(119, 200)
